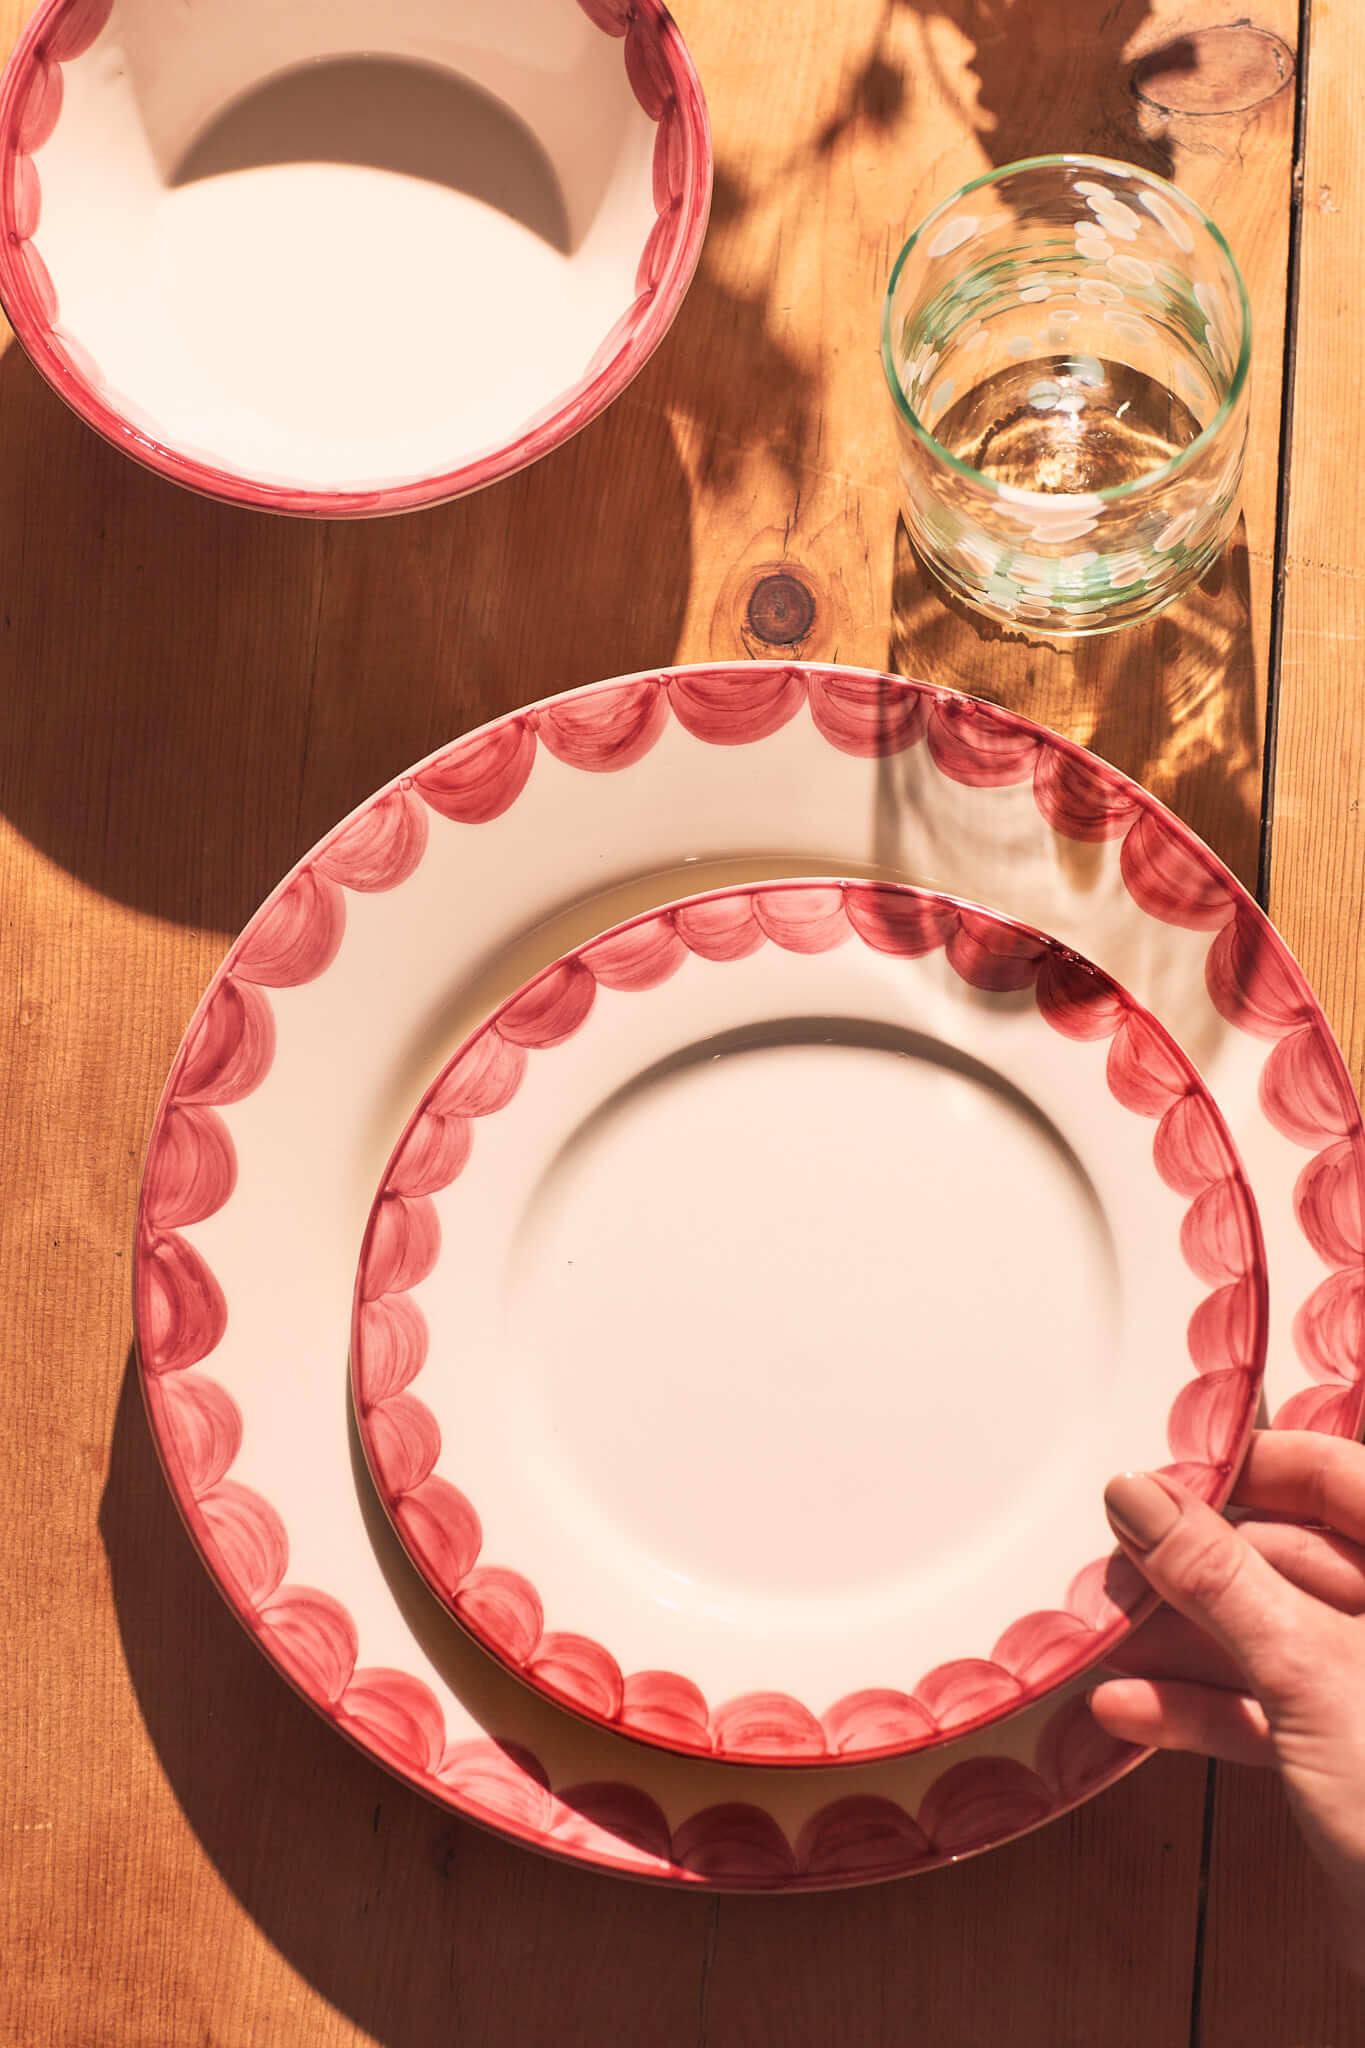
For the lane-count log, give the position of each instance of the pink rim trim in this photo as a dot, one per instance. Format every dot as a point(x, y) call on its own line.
point(665, 84)
point(1207, 1429)
point(180, 1313)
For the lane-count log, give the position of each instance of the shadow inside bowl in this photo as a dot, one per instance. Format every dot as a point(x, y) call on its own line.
point(389, 114)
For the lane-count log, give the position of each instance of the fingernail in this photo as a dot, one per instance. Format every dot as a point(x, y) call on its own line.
point(1140, 1509)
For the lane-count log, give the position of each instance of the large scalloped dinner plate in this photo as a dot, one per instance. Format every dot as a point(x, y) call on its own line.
point(754, 1307)
point(412, 922)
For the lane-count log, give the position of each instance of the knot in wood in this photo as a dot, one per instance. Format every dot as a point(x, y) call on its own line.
point(781, 609)
point(1227, 69)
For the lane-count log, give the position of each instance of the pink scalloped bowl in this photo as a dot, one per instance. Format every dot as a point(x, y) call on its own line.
point(754, 1307)
point(350, 260)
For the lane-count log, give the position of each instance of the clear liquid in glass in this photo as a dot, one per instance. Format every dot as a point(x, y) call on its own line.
point(1067, 423)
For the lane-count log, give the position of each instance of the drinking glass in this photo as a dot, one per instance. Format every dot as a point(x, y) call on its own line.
point(1066, 342)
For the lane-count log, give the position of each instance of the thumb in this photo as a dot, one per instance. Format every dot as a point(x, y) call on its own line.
point(1203, 1568)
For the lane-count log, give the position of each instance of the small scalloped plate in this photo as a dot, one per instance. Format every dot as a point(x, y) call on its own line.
point(754, 1307)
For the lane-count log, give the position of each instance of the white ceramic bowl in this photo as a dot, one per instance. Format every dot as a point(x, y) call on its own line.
point(341, 257)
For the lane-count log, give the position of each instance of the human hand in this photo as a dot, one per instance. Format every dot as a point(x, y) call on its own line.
point(1259, 1655)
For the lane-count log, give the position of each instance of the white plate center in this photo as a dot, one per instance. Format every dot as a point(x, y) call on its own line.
point(754, 1346)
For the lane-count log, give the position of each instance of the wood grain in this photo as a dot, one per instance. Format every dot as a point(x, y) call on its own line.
point(1268, 1951)
point(188, 696)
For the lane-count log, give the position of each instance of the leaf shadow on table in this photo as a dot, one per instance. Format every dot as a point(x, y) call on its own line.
point(190, 693)
point(1174, 703)
point(732, 377)
point(1049, 76)
point(421, 1929)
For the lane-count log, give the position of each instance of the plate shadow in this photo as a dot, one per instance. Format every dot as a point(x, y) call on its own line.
point(190, 694)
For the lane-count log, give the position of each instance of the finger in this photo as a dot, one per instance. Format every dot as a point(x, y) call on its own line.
point(1329, 1567)
point(1208, 1572)
point(1314, 1478)
point(1167, 1714)
point(1168, 1646)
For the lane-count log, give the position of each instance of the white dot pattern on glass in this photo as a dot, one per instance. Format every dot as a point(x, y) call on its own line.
point(1172, 534)
point(1162, 211)
point(953, 234)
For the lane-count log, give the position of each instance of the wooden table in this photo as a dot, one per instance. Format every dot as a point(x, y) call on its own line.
point(189, 695)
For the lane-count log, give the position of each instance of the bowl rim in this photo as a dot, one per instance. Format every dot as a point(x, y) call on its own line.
point(667, 87)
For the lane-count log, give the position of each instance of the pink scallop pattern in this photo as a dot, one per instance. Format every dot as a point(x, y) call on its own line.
point(1254, 982)
point(613, 729)
point(979, 744)
point(1208, 1421)
point(729, 708)
point(1080, 798)
point(664, 82)
point(298, 933)
point(380, 847)
point(870, 723)
point(877, 1720)
point(229, 1045)
point(181, 1317)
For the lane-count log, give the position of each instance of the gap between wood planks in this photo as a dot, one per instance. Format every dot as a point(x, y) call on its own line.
point(1268, 756)
point(1281, 564)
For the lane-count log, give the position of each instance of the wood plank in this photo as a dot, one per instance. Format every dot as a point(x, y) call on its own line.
point(1267, 1950)
point(1086, 1933)
point(1080, 1935)
point(188, 695)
